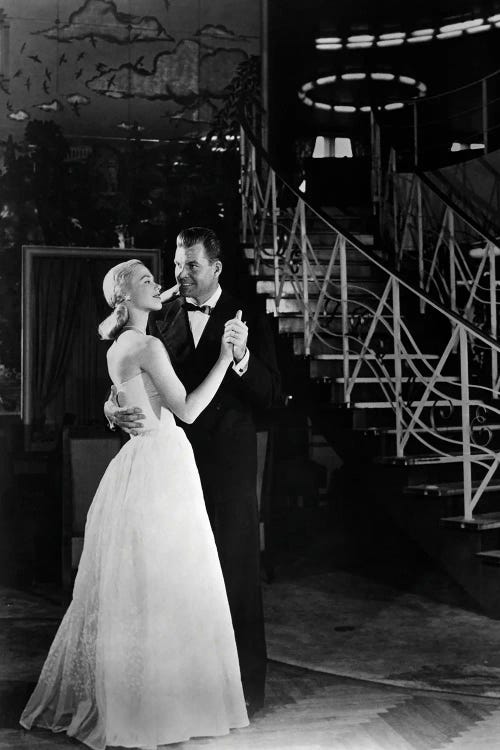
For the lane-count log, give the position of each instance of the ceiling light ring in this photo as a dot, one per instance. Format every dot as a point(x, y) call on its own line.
point(306, 90)
point(396, 38)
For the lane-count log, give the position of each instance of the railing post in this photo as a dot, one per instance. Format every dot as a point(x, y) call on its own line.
point(344, 309)
point(451, 258)
point(420, 240)
point(275, 210)
point(484, 108)
point(398, 369)
point(305, 278)
point(243, 185)
point(493, 318)
point(464, 384)
point(253, 169)
point(395, 206)
point(376, 168)
point(415, 135)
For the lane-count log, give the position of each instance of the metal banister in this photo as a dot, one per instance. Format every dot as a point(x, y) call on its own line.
point(352, 240)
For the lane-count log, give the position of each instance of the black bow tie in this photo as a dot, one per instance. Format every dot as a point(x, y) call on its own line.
point(205, 309)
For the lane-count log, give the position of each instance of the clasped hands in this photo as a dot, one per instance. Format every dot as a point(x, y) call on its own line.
point(129, 418)
point(236, 334)
point(235, 330)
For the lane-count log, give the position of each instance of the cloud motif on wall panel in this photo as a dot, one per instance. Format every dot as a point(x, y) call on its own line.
point(218, 31)
point(129, 126)
point(78, 99)
point(20, 115)
point(53, 106)
point(202, 111)
point(217, 68)
point(100, 19)
point(180, 75)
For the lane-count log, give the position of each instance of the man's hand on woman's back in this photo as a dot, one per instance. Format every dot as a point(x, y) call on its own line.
point(127, 418)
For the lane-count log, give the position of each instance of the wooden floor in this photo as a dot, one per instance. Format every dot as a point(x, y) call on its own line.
point(314, 710)
point(305, 710)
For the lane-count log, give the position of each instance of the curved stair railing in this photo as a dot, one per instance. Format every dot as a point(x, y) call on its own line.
point(440, 397)
point(449, 253)
point(425, 127)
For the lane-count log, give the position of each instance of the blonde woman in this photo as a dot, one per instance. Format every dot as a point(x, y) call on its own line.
point(145, 654)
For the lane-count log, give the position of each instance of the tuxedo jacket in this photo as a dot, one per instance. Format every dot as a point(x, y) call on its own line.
point(223, 436)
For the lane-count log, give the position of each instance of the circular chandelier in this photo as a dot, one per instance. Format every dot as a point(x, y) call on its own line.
point(307, 89)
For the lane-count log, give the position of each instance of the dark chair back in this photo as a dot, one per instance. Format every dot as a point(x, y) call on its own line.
point(86, 453)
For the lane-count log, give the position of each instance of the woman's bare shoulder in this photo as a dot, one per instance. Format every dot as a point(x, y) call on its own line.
point(125, 357)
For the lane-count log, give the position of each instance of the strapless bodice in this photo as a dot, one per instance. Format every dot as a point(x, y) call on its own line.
point(140, 391)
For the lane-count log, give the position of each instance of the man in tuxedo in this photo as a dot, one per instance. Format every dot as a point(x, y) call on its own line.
point(224, 436)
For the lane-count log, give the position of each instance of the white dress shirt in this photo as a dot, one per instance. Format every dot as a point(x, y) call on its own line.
point(198, 320)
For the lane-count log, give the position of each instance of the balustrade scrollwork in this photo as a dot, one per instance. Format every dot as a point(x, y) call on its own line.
point(416, 342)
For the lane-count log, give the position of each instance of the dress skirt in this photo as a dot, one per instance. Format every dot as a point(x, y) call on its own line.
point(145, 654)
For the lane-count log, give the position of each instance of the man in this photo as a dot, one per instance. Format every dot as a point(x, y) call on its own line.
point(223, 437)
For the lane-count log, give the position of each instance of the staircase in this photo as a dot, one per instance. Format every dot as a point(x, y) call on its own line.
point(408, 381)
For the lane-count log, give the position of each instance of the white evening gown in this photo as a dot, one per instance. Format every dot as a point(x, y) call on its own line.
point(145, 654)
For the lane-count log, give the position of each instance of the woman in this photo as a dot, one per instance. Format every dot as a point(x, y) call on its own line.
point(145, 655)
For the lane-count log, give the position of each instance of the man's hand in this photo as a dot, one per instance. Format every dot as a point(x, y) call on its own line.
point(237, 335)
point(127, 418)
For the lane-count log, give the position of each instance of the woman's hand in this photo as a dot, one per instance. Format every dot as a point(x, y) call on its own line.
point(226, 347)
point(169, 294)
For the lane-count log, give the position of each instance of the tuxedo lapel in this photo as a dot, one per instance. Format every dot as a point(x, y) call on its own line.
point(175, 332)
point(223, 311)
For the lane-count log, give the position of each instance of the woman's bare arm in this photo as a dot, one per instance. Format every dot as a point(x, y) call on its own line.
point(187, 406)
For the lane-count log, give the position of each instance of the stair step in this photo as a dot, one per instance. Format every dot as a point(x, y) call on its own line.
point(289, 288)
point(480, 522)
point(446, 489)
point(392, 405)
point(421, 460)
point(292, 305)
point(356, 271)
point(330, 341)
point(440, 379)
point(374, 356)
point(381, 431)
point(294, 324)
point(438, 430)
point(491, 556)
point(322, 251)
point(479, 252)
point(317, 235)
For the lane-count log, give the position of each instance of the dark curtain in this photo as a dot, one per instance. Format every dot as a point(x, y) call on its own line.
point(55, 288)
point(70, 374)
point(86, 384)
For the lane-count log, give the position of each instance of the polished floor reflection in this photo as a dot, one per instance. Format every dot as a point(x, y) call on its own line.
point(305, 708)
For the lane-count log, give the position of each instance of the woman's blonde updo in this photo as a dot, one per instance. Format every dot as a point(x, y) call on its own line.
point(114, 287)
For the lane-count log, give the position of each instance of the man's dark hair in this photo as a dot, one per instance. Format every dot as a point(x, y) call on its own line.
point(194, 235)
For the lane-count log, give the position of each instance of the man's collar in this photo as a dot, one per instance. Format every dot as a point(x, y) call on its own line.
point(212, 301)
